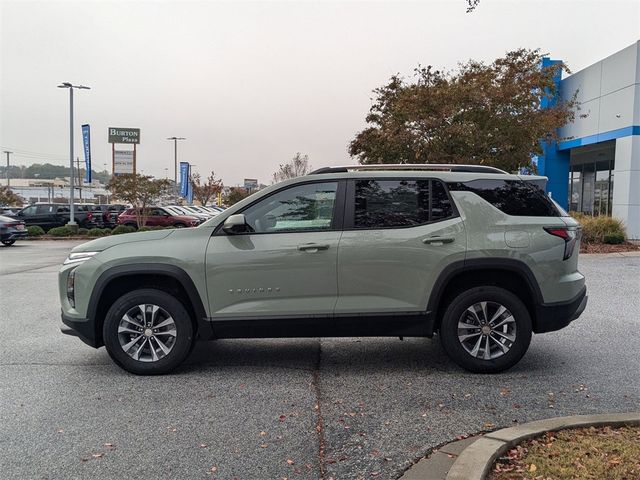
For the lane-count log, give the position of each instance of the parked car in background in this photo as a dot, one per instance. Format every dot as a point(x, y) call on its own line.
point(50, 215)
point(11, 230)
point(157, 217)
point(214, 209)
point(192, 209)
point(9, 210)
point(178, 210)
point(110, 213)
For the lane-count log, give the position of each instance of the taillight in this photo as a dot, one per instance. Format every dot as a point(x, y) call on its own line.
point(90, 216)
point(570, 235)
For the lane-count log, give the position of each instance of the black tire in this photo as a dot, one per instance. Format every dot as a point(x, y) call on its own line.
point(180, 349)
point(132, 225)
point(179, 225)
point(453, 345)
point(8, 243)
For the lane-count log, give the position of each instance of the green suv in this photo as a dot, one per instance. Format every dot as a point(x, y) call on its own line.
point(477, 256)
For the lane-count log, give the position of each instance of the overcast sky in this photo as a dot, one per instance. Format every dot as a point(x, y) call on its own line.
point(250, 84)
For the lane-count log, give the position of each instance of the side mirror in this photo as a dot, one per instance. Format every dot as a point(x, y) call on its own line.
point(235, 224)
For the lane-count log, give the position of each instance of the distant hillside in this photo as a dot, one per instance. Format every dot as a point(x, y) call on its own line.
point(47, 171)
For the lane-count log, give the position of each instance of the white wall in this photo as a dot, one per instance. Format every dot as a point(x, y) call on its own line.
point(608, 92)
point(626, 184)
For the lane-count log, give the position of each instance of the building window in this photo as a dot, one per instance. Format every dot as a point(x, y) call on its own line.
point(591, 179)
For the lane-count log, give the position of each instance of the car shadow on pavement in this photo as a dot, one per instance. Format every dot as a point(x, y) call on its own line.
point(347, 354)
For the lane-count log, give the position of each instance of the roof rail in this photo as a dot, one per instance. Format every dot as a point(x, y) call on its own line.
point(442, 167)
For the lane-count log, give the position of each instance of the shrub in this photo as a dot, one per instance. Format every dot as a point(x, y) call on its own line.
point(97, 232)
point(122, 229)
point(614, 238)
point(35, 231)
point(61, 232)
point(596, 228)
point(83, 231)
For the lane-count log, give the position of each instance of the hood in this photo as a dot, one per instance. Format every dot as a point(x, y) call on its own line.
point(103, 243)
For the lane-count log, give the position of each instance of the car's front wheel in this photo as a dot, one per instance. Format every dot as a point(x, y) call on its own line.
point(486, 329)
point(148, 332)
point(8, 243)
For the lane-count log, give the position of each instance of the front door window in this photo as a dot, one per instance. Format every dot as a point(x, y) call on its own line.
point(301, 208)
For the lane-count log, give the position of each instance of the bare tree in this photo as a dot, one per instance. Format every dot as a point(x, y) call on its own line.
point(204, 191)
point(296, 167)
point(140, 191)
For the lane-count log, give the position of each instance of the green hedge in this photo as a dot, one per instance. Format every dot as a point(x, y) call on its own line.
point(614, 238)
point(120, 229)
point(601, 228)
point(35, 231)
point(83, 231)
point(98, 232)
point(60, 232)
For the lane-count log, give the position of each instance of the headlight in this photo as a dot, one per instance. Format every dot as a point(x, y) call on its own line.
point(71, 284)
point(79, 257)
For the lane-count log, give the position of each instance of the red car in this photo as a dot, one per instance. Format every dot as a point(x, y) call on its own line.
point(157, 216)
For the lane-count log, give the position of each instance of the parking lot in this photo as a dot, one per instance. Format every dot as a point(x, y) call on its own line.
point(287, 408)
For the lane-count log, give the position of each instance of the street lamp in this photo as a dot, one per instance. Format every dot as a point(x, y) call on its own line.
point(72, 222)
point(175, 171)
point(8, 153)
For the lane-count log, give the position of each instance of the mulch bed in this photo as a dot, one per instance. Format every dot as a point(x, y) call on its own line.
point(605, 248)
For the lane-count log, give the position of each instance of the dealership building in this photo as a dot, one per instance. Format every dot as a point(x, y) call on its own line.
point(595, 166)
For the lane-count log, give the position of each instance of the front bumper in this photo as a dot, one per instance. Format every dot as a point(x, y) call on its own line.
point(554, 316)
point(82, 328)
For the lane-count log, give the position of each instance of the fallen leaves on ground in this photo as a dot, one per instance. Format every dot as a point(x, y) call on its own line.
point(590, 453)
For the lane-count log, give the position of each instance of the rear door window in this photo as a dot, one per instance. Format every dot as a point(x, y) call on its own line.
point(399, 203)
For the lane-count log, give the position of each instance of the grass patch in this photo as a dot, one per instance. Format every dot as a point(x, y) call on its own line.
point(585, 453)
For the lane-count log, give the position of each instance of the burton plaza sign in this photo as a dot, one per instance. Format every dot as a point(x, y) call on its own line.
point(124, 135)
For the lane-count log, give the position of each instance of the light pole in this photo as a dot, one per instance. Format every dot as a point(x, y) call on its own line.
point(8, 152)
point(72, 222)
point(175, 171)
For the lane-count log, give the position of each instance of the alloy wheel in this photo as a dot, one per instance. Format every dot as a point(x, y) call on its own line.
point(147, 333)
point(487, 330)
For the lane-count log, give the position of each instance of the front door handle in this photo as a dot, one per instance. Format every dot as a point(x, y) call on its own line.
point(437, 240)
point(312, 247)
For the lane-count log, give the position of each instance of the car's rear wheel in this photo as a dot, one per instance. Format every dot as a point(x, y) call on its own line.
point(148, 332)
point(8, 243)
point(486, 329)
point(132, 225)
point(179, 225)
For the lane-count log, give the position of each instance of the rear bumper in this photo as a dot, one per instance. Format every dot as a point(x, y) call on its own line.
point(14, 235)
point(554, 316)
point(82, 328)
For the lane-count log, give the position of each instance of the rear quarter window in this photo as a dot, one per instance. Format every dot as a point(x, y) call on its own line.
point(513, 197)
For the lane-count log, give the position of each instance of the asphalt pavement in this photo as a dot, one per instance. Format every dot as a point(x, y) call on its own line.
point(355, 408)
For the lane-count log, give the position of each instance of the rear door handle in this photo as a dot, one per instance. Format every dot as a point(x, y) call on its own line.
point(437, 240)
point(312, 247)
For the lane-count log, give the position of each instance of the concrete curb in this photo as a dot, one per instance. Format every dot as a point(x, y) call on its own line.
point(475, 461)
point(472, 458)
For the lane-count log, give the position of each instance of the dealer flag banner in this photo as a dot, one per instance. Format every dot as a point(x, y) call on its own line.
point(86, 139)
point(184, 179)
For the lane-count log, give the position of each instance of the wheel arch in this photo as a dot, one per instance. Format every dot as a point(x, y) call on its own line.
point(512, 275)
point(116, 281)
